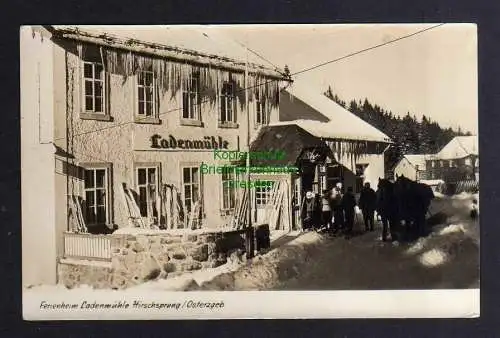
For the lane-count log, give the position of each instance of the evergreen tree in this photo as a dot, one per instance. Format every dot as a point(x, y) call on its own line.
point(410, 136)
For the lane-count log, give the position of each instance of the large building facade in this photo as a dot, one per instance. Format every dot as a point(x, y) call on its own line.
point(103, 112)
point(140, 114)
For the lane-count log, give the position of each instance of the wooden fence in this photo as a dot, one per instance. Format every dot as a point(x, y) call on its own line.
point(88, 246)
point(458, 187)
point(466, 186)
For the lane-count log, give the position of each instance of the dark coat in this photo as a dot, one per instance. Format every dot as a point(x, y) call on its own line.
point(367, 199)
point(313, 212)
point(348, 201)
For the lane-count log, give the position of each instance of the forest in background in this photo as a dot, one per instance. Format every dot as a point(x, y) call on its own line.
point(409, 134)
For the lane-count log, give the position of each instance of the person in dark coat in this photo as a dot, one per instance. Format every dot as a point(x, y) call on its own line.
point(338, 211)
point(326, 211)
point(367, 204)
point(310, 212)
point(348, 205)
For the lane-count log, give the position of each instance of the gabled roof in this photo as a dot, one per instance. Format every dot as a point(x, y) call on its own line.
point(290, 139)
point(416, 160)
point(342, 123)
point(459, 147)
point(197, 44)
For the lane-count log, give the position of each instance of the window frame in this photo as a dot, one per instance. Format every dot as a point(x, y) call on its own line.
point(84, 59)
point(223, 96)
point(187, 89)
point(262, 198)
point(142, 118)
point(147, 165)
point(108, 186)
point(191, 166)
point(224, 189)
point(262, 107)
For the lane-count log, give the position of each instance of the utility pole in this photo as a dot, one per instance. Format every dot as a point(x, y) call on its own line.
point(247, 108)
point(250, 232)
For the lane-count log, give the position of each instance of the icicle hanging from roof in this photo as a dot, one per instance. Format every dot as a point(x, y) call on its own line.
point(170, 74)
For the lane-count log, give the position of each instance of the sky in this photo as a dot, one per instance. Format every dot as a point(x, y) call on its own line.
point(433, 73)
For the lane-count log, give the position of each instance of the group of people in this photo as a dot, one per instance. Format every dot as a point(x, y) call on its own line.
point(335, 211)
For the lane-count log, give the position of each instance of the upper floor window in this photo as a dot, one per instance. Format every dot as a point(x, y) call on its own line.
point(94, 85)
point(433, 164)
point(227, 115)
point(147, 102)
point(262, 114)
point(468, 161)
point(93, 73)
point(191, 99)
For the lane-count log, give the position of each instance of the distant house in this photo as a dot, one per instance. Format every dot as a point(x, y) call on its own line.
point(457, 161)
point(412, 167)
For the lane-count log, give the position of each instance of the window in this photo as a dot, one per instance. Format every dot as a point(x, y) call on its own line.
point(93, 73)
point(96, 207)
point(191, 98)
point(94, 82)
point(191, 186)
point(228, 104)
point(441, 163)
point(228, 197)
point(433, 164)
point(147, 181)
point(262, 115)
point(468, 161)
point(147, 108)
point(262, 195)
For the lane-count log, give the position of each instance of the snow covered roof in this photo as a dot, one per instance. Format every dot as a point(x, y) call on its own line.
point(342, 125)
point(417, 160)
point(198, 44)
point(459, 147)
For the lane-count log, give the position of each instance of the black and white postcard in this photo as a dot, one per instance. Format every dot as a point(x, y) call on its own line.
point(250, 171)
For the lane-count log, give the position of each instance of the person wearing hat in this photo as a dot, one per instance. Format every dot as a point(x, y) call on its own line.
point(309, 212)
point(338, 212)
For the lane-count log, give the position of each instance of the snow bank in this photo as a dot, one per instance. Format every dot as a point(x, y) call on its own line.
point(464, 196)
point(452, 228)
point(189, 281)
point(433, 258)
point(437, 194)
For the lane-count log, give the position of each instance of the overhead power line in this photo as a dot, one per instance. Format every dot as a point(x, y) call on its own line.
point(269, 81)
point(368, 49)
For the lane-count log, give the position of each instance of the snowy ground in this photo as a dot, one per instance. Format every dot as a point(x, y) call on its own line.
point(447, 258)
